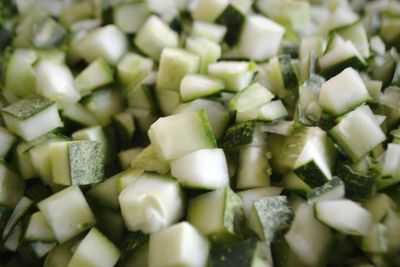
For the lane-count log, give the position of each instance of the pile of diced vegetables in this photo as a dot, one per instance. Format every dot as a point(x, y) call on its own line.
point(221, 133)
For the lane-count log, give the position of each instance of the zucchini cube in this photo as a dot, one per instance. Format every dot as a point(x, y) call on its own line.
point(7, 140)
point(32, 117)
point(177, 135)
point(11, 186)
point(77, 162)
point(175, 63)
point(95, 250)
point(218, 215)
point(67, 213)
point(178, 245)
point(154, 36)
point(96, 75)
point(157, 201)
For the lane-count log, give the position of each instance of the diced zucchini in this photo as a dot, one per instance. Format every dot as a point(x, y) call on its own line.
point(251, 195)
point(377, 240)
point(332, 190)
point(208, 51)
point(270, 111)
point(154, 36)
point(60, 255)
point(23, 117)
point(179, 134)
point(175, 63)
point(254, 169)
point(358, 132)
point(217, 114)
point(251, 97)
point(261, 38)
point(96, 44)
point(157, 200)
point(76, 114)
point(224, 222)
point(178, 245)
point(390, 168)
point(47, 33)
point(144, 96)
point(7, 141)
point(271, 217)
point(96, 75)
point(236, 74)
point(133, 68)
point(106, 193)
point(38, 229)
point(204, 168)
point(343, 92)
point(20, 210)
point(67, 213)
point(95, 250)
point(379, 206)
point(77, 162)
point(125, 128)
point(55, 81)
point(196, 86)
point(40, 249)
point(308, 238)
point(357, 34)
point(243, 134)
point(251, 253)
point(130, 16)
point(149, 160)
point(11, 186)
point(344, 216)
point(212, 31)
point(208, 10)
point(128, 177)
point(19, 75)
point(13, 240)
point(125, 157)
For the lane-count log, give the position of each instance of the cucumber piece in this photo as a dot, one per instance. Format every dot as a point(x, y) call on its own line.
point(294, 183)
point(222, 224)
point(236, 74)
point(96, 44)
point(211, 31)
point(208, 51)
point(251, 97)
point(149, 160)
point(133, 68)
point(204, 168)
point(345, 216)
point(55, 81)
point(251, 195)
point(332, 190)
point(18, 72)
point(208, 10)
point(175, 63)
point(390, 171)
point(261, 38)
point(11, 186)
point(196, 86)
point(154, 36)
point(358, 132)
point(20, 210)
point(129, 17)
point(106, 193)
point(249, 253)
point(38, 229)
point(242, 134)
point(254, 168)
point(157, 199)
point(23, 117)
point(357, 34)
point(234, 19)
point(271, 218)
point(96, 75)
point(179, 134)
point(309, 111)
point(7, 141)
point(95, 250)
point(271, 111)
point(357, 185)
point(77, 162)
point(217, 113)
point(343, 92)
point(308, 238)
point(178, 245)
point(67, 213)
